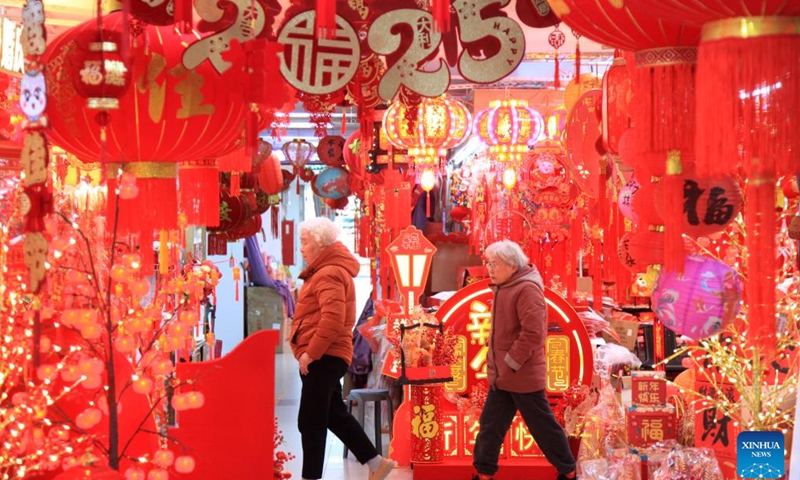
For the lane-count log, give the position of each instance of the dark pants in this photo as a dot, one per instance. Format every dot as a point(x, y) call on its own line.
point(498, 413)
point(322, 408)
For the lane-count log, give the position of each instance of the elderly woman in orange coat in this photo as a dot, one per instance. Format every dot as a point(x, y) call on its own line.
point(516, 364)
point(322, 341)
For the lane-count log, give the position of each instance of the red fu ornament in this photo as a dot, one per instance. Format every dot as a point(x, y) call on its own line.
point(411, 255)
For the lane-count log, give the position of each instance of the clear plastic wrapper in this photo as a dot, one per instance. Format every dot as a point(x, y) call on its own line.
point(689, 464)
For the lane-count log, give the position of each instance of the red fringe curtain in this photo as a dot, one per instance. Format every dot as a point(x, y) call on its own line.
point(199, 191)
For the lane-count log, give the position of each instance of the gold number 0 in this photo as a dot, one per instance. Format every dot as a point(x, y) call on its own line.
point(407, 70)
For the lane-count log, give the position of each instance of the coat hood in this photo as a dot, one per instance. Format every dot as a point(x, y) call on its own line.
point(337, 255)
point(528, 273)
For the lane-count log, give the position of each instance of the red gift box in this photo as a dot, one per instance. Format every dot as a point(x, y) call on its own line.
point(648, 388)
point(649, 425)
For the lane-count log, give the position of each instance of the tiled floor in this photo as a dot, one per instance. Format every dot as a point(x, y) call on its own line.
point(287, 397)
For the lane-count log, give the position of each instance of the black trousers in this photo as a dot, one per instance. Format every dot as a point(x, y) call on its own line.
point(322, 409)
point(498, 413)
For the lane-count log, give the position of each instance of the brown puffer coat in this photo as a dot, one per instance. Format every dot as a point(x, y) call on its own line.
point(516, 361)
point(326, 307)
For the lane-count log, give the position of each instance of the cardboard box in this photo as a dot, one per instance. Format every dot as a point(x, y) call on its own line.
point(628, 332)
point(648, 388)
point(649, 425)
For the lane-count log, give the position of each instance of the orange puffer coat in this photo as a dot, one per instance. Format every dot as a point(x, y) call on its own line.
point(326, 307)
point(516, 361)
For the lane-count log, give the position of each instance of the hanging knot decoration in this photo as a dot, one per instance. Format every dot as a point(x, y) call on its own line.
point(556, 40)
point(299, 152)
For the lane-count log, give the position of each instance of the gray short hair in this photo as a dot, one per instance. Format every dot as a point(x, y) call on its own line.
point(323, 230)
point(507, 252)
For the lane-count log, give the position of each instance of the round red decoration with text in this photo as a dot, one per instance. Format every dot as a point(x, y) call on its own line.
point(709, 204)
point(639, 250)
point(330, 150)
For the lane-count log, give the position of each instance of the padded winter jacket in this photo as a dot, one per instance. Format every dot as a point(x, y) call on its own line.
point(326, 307)
point(516, 360)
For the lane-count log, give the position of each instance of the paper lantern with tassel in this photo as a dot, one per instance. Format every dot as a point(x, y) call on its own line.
point(175, 114)
point(701, 300)
point(709, 205)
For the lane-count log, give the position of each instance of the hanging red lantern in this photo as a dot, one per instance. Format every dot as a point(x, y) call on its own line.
point(270, 175)
point(641, 249)
point(174, 114)
point(616, 103)
point(508, 127)
point(709, 204)
point(101, 76)
point(580, 139)
point(330, 150)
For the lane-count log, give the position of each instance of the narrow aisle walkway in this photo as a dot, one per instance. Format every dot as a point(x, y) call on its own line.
point(287, 402)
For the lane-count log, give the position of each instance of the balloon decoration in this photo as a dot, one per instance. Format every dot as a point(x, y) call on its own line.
point(332, 183)
point(700, 301)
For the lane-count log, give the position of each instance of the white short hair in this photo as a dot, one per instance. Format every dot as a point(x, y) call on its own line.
point(323, 230)
point(507, 252)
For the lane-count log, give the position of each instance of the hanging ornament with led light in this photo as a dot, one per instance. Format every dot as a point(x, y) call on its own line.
point(507, 127)
point(440, 123)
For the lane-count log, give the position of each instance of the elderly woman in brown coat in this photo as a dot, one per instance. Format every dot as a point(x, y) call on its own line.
point(321, 340)
point(516, 364)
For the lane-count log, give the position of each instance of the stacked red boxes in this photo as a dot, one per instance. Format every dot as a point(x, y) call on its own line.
point(650, 419)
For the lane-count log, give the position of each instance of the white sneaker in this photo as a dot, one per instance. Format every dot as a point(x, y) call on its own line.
point(383, 469)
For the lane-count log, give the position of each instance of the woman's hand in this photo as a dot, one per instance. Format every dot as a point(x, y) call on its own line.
point(305, 361)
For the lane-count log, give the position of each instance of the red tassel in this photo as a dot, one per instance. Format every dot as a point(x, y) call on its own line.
point(578, 60)
point(183, 15)
point(146, 252)
point(217, 244)
point(155, 207)
point(235, 184)
point(325, 21)
point(199, 191)
point(440, 9)
point(236, 161)
point(251, 133)
point(275, 221)
point(672, 194)
point(557, 74)
point(752, 84)
point(760, 219)
point(344, 122)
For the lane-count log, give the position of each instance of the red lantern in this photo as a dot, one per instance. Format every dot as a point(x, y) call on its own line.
point(101, 76)
point(639, 250)
point(331, 151)
point(709, 205)
point(508, 127)
point(270, 175)
point(173, 114)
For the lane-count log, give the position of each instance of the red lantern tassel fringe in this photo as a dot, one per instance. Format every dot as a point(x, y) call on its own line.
point(605, 218)
point(578, 59)
point(760, 219)
point(672, 193)
point(274, 224)
point(597, 275)
point(441, 15)
point(147, 252)
point(237, 161)
point(251, 132)
point(664, 110)
point(154, 208)
point(325, 21)
point(199, 191)
point(751, 84)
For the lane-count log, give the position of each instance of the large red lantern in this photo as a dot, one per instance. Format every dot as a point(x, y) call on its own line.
point(508, 127)
point(171, 114)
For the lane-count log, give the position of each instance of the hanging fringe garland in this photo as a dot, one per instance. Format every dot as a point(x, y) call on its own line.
point(747, 75)
point(199, 191)
point(155, 207)
point(761, 224)
point(672, 194)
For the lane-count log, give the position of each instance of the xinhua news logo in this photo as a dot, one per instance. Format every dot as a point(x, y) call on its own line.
point(759, 454)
